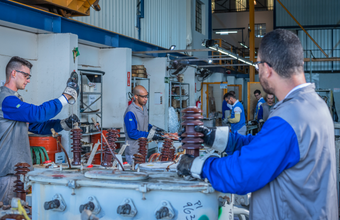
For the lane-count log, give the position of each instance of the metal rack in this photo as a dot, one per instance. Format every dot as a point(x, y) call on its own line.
point(328, 94)
point(180, 96)
point(134, 84)
point(95, 76)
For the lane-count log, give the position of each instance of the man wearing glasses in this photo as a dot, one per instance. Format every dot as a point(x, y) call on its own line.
point(18, 117)
point(136, 123)
point(290, 165)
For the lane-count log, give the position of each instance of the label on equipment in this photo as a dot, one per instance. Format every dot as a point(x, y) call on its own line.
point(60, 157)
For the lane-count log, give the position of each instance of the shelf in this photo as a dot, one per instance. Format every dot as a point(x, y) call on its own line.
point(179, 95)
point(140, 78)
point(92, 133)
point(180, 83)
point(91, 93)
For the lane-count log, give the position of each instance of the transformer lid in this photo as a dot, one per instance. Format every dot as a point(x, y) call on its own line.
point(116, 175)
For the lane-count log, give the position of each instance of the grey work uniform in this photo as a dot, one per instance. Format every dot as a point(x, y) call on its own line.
point(142, 125)
point(14, 148)
point(266, 110)
point(307, 190)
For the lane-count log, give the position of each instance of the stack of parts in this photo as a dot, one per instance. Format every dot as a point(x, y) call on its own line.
point(168, 151)
point(143, 151)
point(112, 137)
point(21, 169)
point(76, 145)
point(192, 142)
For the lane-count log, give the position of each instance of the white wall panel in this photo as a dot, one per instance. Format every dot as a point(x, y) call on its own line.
point(164, 21)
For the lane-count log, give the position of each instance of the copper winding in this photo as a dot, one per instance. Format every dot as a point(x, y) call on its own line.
point(168, 151)
point(192, 142)
point(21, 169)
point(112, 137)
point(154, 157)
point(76, 145)
point(142, 152)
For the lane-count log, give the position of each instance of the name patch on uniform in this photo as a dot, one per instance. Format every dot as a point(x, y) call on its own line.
point(18, 105)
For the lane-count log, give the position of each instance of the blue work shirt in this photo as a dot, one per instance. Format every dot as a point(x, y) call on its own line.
point(258, 105)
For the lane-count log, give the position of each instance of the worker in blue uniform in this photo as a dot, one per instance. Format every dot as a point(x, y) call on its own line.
point(136, 123)
point(237, 117)
point(260, 101)
point(290, 165)
point(18, 117)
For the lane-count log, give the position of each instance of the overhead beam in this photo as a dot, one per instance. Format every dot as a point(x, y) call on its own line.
point(329, 59)
point(302, 28)
point(252, 40)
point(172, 51)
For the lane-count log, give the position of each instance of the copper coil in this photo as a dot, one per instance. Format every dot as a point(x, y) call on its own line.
point(76, 145)
point(154, 157)
point(167, 152)
point(192, 141)
point(21, 169)
point(112, 135)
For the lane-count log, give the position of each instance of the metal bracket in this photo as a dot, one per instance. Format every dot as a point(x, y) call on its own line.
point(127, 208)
point(165, 211)
point(72, 184)
point(93, 202)
point(62, 204)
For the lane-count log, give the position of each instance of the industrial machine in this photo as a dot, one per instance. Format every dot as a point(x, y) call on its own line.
point(150, 190)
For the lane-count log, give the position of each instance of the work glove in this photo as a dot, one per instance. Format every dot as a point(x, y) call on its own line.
point(192, 166)
point(215, 138)
point(67, 123)
point(72, 88)
point(157, 137)
point(154, 134)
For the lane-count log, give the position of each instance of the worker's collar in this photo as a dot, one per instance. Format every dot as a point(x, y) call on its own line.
point(136, 106)
point(297, 87)
point(3, 88)
point(260, 99)
point(235, 102)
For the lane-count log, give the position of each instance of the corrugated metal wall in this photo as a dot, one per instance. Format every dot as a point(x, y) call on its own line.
point(327, 40)
point(164, 21)
point(307, 12)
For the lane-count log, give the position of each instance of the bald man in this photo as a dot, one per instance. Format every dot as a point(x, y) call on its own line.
point(136, 123)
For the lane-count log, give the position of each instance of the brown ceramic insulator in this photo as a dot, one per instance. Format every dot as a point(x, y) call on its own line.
point(112, 137)
point(138, 158)
point(143, 150)
point(21, 169)
point(192, 142)
point(167, 151)
point(13, 217)
point(76, 146)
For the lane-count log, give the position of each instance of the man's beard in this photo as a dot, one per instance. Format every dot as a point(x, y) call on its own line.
point(265, 85)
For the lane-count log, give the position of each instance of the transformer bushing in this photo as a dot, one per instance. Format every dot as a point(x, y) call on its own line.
point(112, 137)
point(21, 169)
point(142, 152)
point(76, 145)
point(192, 142)
point(168, 151)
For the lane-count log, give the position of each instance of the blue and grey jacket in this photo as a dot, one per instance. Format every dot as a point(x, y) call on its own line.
point(237, 126)
point(289, 165)
point(16, 119)
point(258, 105)
point(136, 125)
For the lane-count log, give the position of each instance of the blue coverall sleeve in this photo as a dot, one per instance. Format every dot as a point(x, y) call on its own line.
point(131, 127)
point(236, 141)
point(45, 127)
point(17, 110)
point(260, 114)
point(274, 149)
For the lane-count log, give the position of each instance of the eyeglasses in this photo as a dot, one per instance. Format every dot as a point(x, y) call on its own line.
point(258, 62)
point(28, 76)
point(144, 96)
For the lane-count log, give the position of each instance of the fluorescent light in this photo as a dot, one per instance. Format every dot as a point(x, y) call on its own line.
point(243, 45)
point(226, 32)
point(210, 61)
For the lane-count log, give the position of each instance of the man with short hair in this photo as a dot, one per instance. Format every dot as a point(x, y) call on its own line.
point(18, 117)
point(260, 101)
point(225, 106)
point(290, 166)
point(136, 123)
point(263, 113)
point(237, 117)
